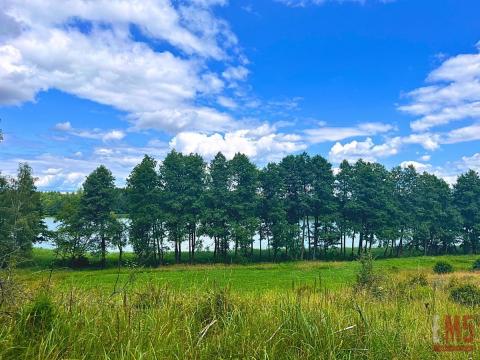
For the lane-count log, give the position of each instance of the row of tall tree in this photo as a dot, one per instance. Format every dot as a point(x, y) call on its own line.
point(296, 208)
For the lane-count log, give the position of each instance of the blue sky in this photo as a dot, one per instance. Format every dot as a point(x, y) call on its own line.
point(84, 83)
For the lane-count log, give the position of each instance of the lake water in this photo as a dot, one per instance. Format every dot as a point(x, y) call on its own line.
point(207, 242)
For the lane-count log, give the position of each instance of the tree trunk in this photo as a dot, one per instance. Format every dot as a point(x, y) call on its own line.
point(120, 253)
point(104, 248)
point(302, 249)
point(353, 242)
point(308, 237)
point(215, 244)
point(194, 241)
point(400, 245)
point(360, 243)
point(260, 239)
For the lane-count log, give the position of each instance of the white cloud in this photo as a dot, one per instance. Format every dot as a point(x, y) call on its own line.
point(304, 3)
point(113, 135)
point(427, 140)
point(155, 18)
point(370, 151)
point(235, 73)
point(324, 134)
point(157, 89)
point(184, 118)
point(470, 162)
point(69, 172)
point(366, 150)
point(420, 167)
point(454, 94)
point(463, 134)
point(425, 157)
point(65, 126)
point(227, 102)
point(96, 134)
point(260, 144)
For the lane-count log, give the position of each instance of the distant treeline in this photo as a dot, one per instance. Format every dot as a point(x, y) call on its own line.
point(54, 201)
point(297, 209)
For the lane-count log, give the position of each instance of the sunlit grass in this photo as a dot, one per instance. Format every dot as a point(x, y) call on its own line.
point(295, 310)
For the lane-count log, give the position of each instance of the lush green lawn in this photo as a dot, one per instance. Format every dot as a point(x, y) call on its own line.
point(252, 278)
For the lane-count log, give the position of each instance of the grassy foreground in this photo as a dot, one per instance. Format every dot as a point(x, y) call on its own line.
point(300, 310)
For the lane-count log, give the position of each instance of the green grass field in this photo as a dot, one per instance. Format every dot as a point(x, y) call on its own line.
point(251, 277)
point(292, 310)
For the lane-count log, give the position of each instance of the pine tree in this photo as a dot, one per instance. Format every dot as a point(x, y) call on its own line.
point(437, 220)
point(145, 211)
point(322, 204)
point(215, 216)
point(21, 214)
point(272, 212)
point(72, 239)
point(344, 191)
point(294, 171)
point(193, 198)
point(243, 182)
point(96, 206)
point(172, 179)
point(467, 201)
point(404, 180)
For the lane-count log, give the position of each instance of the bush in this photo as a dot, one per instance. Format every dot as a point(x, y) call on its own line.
point(367, 278)
point(37, 317)
point(442, 267)
point(466, 295)
point(419, 279)
point(476, 265)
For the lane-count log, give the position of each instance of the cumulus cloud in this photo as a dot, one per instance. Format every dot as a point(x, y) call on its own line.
point(261, 144)
point(370, 151)
point(366, 150)
point(102, 62)
point(454, 94)
point(95, 134)
point(470, 162)
point(427, 140)
point(63, 172)
point(324, 133)
point(420, 167)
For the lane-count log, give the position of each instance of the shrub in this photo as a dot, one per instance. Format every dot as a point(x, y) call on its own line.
point(467, 294)
point(476, 265)
point(442, 267)
point(367, 278)
point(418, 279)
point(37, 317)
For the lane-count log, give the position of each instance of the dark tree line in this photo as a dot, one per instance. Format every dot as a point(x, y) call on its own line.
point(295, 209)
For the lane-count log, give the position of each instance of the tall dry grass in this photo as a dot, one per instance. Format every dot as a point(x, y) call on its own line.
point(391, 320)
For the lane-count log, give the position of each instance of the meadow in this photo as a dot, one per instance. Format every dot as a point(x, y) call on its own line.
point(292, 310)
